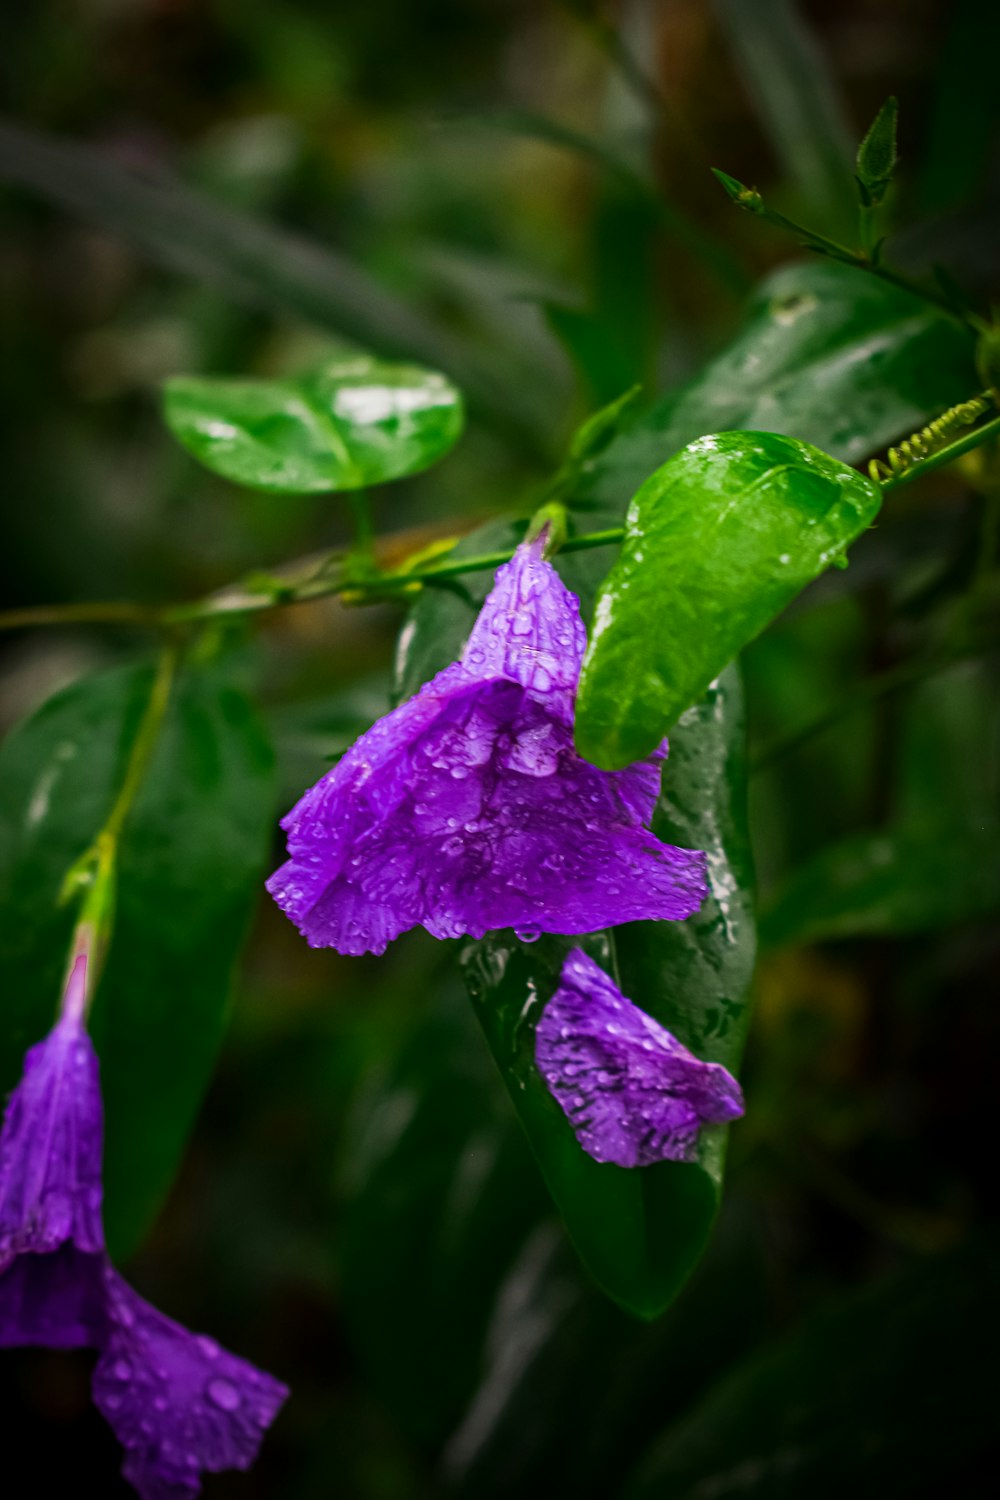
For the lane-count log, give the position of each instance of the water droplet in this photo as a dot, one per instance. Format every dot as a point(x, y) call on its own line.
point(223, 1394)
point(527, 934)
point(122, 1370)
point(208, 1346)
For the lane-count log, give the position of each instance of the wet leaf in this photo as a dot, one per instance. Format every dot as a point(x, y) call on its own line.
point(347, 425)
point(828, 354)
point(717, 542)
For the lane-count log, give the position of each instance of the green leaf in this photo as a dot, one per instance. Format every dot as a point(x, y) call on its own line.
point(887, 1392)
point(192, 857)
point(887, 884)
point(347, 425)
point(717, 542)
point(877, 156)
point(828, 354)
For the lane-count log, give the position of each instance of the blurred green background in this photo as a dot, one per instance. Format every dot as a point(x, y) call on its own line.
point(357, 1210)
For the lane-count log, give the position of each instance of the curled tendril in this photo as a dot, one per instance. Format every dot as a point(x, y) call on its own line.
point(929, 440)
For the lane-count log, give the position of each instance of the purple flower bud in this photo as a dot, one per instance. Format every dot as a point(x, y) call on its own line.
point(178, 1404)
point(632, 1093)
point(467, 809)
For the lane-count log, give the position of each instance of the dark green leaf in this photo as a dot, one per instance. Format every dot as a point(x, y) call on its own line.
point(903, 880)
point(877, 154)
point(444, 1193)
point(828, 354)
point(191, 861)
point(570, 1384)
point(887, 1393)
point(717, 542)
point(347, 425)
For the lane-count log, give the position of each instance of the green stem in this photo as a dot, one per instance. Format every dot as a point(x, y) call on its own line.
point(94, 874)
point(944, 456)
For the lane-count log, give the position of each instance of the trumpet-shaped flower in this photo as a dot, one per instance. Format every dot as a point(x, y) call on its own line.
point(177, 1403)
point(632, 1092)
point(467, 808)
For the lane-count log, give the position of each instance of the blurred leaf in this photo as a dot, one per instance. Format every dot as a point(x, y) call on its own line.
point(788, 78)
point(445, 1193)
point(717, 542)
point(346, 425)
point(827, 354)
point(877, 156)
point(886, 1393)
point(571, 1386)
point(192, 857)
point(599, 361)
point(711, 251)
point(254, 262)
point(883, 884)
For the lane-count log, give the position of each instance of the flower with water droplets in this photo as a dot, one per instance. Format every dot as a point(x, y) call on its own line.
point(177, 1403)
point(467, 809)
point(632, 1092)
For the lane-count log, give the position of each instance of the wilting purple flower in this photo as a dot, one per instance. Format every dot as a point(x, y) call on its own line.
point(177, 1403)
point(467, 808)
point(632, 1093)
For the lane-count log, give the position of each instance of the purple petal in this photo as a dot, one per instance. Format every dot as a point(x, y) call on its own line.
point(501, 825)
point(54, 1300)
point(177, 1403)
point(467, 809)
point(632, 1093)
point(529, 630)
point(50, 1150)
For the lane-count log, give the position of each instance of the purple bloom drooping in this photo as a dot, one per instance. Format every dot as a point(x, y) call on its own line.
point(467, 809)
point(177, 1403)
point(632, 1093)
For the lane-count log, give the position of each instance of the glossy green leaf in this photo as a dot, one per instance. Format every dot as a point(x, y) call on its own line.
point(828, 354)
point(887, 1392)
point(884, 884)
point(347, 425)
point(717, 542)
point(639, 1232)
point(191, 862)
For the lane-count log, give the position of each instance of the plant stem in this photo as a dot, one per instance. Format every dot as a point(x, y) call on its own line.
point(94, 874)
point(944, 456)
point(238, 601)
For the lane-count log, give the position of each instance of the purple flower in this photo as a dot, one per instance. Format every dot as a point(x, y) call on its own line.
point(467, 808)
point(632, 1093)
point(177, 1403)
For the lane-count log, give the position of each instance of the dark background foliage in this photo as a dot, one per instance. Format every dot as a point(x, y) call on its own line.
point(357, 1209)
